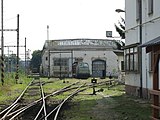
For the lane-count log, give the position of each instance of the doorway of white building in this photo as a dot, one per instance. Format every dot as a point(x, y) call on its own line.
point(99, 68)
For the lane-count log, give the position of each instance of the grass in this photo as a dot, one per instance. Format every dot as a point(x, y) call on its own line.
point(111, 104)
point(10, 90)
point(131, 108)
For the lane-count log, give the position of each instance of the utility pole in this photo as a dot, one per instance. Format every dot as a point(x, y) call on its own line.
point(17, 73)
point(2, 45)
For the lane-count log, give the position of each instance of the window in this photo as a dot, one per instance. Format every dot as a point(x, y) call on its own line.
point(131, 59)
point(150, 7)
point(61, 62)
point(137, 9)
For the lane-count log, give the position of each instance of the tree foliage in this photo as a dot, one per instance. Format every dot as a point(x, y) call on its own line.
point(36, 60)
point(10, 63)
point(120, 28)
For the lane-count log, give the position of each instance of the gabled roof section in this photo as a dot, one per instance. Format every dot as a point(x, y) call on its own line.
point(153, 42)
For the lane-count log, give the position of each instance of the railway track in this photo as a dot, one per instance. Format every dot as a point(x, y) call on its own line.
point(37, 109)
point(17, 110)
point(30, 91)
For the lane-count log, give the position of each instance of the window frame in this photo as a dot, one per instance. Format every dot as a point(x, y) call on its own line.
point(60, 61)
point(131, 59)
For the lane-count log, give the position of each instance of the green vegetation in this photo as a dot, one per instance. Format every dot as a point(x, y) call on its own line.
point(111, 104)
point(10, 90)
point(36, 61)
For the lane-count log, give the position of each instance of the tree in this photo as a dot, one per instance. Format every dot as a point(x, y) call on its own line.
point(36, 60)
point(10, 63)
point(121, 28)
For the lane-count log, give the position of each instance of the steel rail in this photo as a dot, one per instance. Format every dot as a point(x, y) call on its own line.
point(24, 108)
point(44, 103)
point(13, 104)
point(43, 107)
point(19, 111)
point(74, 93)
point(13, 117)
point(54, 93)
point(3, 118)
point(71, 95)
point(64, 90)
point(38, 113)
point(86, 87)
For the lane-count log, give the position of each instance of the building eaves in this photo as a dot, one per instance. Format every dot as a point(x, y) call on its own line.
point(153, 42)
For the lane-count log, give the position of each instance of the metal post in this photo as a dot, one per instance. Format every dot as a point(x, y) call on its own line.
point(2, 45)
point(28, 57)
point(25, 58)
point(17, 74)
point(72, 63)
point(60, 67)
point(11, 62)
point(8, 62)
point(140, 48)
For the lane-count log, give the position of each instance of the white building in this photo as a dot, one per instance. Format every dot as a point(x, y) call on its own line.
point(142, 25)
point(59, 55)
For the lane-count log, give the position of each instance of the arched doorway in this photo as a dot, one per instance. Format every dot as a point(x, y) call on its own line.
point(99, 68)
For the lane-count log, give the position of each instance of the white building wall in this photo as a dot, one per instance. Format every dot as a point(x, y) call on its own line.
point(132, 79)
point(88, 56)
point(120, 59)
point(45, 62)
point(108, 56)
point(150, 30)
point(132, 35)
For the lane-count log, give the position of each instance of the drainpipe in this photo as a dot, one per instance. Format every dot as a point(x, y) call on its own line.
point(140, 48)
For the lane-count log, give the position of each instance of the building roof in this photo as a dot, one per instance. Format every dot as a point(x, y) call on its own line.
point(153, 42)
point(79, 44)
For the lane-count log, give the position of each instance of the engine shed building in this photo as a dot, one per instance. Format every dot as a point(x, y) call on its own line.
point(103, 56)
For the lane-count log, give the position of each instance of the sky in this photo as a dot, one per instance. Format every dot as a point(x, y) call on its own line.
point(66, 19)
